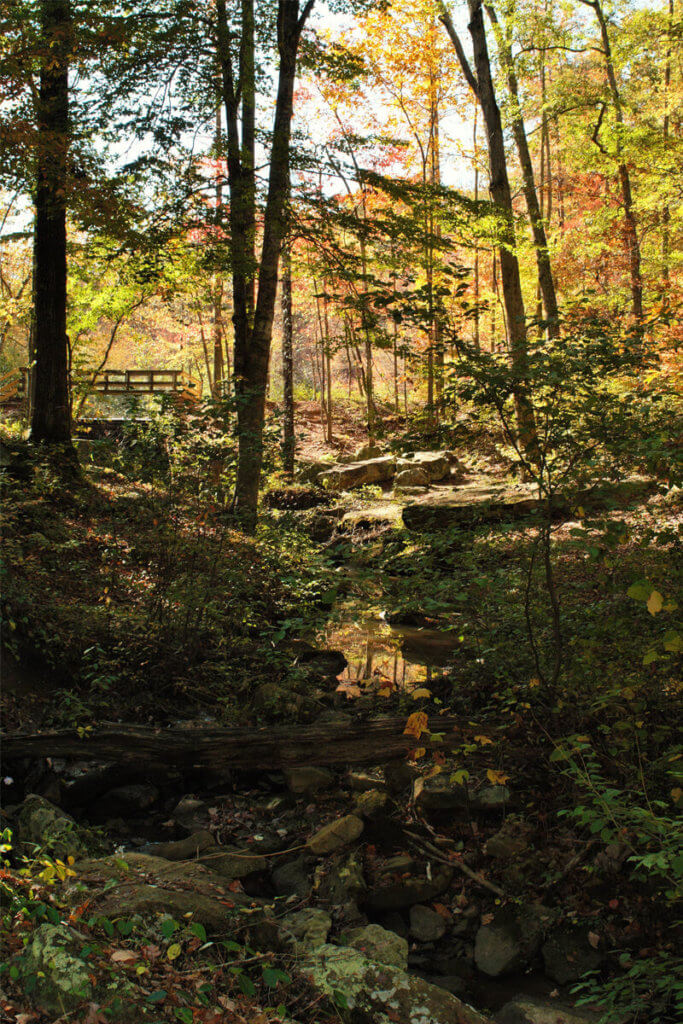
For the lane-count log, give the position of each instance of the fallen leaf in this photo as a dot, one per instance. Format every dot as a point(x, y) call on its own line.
point(594, 939)
point(497, 778)
point(483, 740)
point(655, 602)
point(123, 956)
point(174, 951)
point(417, 724)
point(418, 753)
point(486, 918)
point(422, 692)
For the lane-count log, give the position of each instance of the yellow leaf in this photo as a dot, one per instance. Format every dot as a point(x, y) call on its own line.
point(533, 683)
point(497, 778)
point(385, 691)
point(483, 740)
point(434, 770)
point(174, 951)
point(420, 752)
point(422, 692)
point(676, 795)
point(416, 724)
point(655, 602)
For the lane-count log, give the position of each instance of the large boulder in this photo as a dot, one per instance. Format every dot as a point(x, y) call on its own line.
point(425, 924)
point(528, 1010)
point(435, 465)
point(183, 849)
point(358, 474)
point(380, 945)
point(365, 992)
point(412, 476)
point(233, 864)
point(511, 940)
point(135, 883)
point(61, 977)
point(308, 779)
point(41, 824)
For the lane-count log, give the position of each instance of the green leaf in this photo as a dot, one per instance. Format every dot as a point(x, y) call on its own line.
point(199, 930)
point(271, 977)
point(640, 591)
point(157, 997)
point(168, 927)
point(246, 984)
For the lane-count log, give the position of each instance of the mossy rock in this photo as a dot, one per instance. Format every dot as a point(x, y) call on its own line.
point(40, 824)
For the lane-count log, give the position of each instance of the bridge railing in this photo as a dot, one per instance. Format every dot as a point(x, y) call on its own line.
point(153, 381)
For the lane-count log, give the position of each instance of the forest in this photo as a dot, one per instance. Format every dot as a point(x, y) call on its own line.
point(340, 462)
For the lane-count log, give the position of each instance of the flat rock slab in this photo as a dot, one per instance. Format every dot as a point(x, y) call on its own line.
point(487, 500)
point(357, 474)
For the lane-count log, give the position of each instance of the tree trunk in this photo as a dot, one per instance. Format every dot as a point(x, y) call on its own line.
point(477, 340)
point(252, 342)
point(288, 448)
point(633, 243)
point(481, 84)
point(51, 412)
point(545, 275)
point(376, 740)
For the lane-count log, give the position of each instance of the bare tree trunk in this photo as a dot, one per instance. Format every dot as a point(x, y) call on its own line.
point(545, 274)
point(288, 445)
point(51, 413)
point(633, 243)
point(481, 84)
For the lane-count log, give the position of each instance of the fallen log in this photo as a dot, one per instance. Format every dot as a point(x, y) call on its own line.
point(371, 741)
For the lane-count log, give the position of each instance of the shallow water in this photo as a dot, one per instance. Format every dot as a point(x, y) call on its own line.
point(381, 656)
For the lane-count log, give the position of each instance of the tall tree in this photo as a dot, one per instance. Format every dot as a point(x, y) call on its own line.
point(51, 413)
point(481, 83)
point(632, 240)
point(253, 336)
point(546, 279)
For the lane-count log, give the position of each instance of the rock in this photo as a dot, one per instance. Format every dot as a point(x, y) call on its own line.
point(127, 801)
point(364, 992)
point(335, 835)
point(343, 882)
point(268, 696)
point(291, 878)
point(391, 895)
point(367, 451)
point(308, 928)
point(425, 924)
point(440, 794)
point(324, 662)
point(401, 864)
point(234, 864)
point(510, 941)
point(308, 472)
point(308, 780)
point(413, 476)
point(453, 983)
point(40, 823)
point(189, 812)
point(362, 780)
point(150, 886)
point(373, 804)
point(567, 954)
point(504, 846)
point(379, 945)
point(183, 849)
point(482, 502)
point(399, 776)
point(358, 474)
point(434, 465)
point(61, 976)
point(527, 1010)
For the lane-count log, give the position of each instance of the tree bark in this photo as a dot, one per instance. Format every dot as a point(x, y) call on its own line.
point(545, 274)
point(51, 407)
point(370, 742)
point(252, 341)
point(633, 244)
point(288, 447)
point(481, 83)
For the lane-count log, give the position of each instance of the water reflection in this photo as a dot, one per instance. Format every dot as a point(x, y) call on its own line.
point(387, 658)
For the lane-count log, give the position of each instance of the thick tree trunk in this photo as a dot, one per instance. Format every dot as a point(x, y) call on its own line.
point(288, 447)
point(372, 742)
point(51, 410)
point(545, 274)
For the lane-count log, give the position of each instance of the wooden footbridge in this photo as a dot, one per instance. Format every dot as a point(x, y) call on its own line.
point(152, 381)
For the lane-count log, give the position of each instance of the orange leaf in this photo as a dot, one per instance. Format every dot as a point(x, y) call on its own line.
point(497, 778)
point(416, 724)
